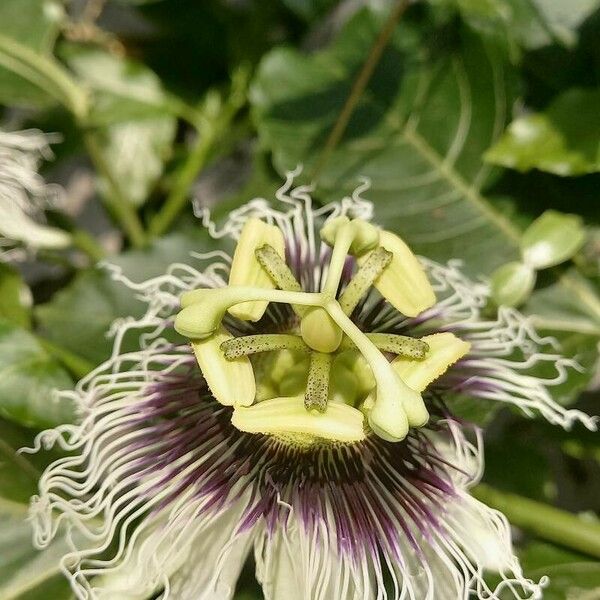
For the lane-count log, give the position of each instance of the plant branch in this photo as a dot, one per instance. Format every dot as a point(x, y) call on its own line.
point(210, 122)
point(547, 522)
point(360, 83)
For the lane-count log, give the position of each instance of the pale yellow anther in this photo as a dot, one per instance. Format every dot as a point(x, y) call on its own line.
point(444, 350)
point(231, 382)
point(403, 283)
point(288, 417)
point(246, 270)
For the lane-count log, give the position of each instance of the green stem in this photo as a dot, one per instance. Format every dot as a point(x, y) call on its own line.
point(87, 243)
point(114, 199)
point(360, 84)
point(210, 123)
point(177, 199)
point(79, 367)
point(547, 522)
point(46, 73)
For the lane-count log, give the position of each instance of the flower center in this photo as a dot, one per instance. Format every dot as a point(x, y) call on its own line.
point(319, 380)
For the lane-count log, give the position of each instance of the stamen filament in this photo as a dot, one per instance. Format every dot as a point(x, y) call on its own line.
point(279, 272)
point(364, 278)
point(252, 344)
point(317, 386)
point(401, 345)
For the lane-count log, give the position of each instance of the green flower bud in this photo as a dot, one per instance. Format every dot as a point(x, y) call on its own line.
point(512, 284)
point(552, 239)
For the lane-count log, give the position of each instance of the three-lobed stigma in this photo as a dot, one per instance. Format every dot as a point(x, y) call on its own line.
point(324, 378)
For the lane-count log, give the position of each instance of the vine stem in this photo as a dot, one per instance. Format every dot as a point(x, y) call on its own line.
point(360, 83)
point(547, 522)
point(209, 122)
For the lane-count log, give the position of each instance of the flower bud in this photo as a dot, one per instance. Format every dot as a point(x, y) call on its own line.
point(287, 416)
point(403, 283)
point(246, 270)
point(551, 239)
point(231, 382)
point(444, 350)
point(512, 284)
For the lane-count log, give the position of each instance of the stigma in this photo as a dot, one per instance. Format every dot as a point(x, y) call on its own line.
point(323, 379)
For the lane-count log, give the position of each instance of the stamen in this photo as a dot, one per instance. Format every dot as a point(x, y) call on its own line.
point(252, 344)
point(364, 278)
point(402, 345)
point(279, 272)
point(317, 387)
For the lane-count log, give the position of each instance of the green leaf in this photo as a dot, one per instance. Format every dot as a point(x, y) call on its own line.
point(25, 573)
point(418, 133)
point(563, 140)
point(15, 297)
point(526, 23)
point(552, 239)
point(134, 116)
point(79, 316)
point(571, 581)
point(34, 23)
point(28, 376)
point(512, 284)
point(309, 9)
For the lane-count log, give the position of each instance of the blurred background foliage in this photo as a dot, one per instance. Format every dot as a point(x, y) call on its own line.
point(471, 118)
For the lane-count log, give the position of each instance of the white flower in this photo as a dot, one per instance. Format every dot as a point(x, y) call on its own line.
point(173, 484)
point(24, 195)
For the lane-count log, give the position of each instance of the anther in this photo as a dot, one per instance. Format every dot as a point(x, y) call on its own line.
point(317, 386)
point(253, 344)
point(364, 278)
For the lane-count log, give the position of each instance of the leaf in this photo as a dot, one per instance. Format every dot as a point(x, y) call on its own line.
point(25, 573)
point(417, 133)
point(309, 9)
point(571, 581)
point(80, 315)
point(529, 24)
point(564, 140)
point(133, 112)
point(15, 297)
point(28, 376)
point(35, 24)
